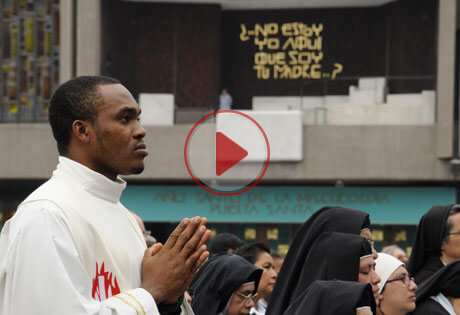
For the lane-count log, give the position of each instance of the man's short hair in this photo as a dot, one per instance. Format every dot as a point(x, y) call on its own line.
point(76, 99)
point(222, 242)
point(251, 251)
point(448, 225)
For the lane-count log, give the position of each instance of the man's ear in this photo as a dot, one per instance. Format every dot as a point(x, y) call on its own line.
point(81, 130)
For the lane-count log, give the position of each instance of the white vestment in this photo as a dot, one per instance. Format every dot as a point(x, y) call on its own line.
point(73, 248)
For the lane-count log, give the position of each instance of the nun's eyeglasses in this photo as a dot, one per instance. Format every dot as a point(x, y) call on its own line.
point(247, 297)
point(453, 233)
point(404, 278)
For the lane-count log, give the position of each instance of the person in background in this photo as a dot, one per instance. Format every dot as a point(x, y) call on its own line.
point(440, 293)
point(224, 243)
point(225, 100)
point(149, 239)
point(277, 261)
point(397, 288)
point(259, 255)
point(396, 251)
point(437, 241)
point(334, 297)
point(225, 285)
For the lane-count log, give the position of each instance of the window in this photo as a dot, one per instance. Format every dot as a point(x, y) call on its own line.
point(29, 58)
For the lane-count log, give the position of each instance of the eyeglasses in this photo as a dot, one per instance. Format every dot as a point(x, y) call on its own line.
point(453, 233)
point(247, 297)
point(404, 278)
point(371, 242)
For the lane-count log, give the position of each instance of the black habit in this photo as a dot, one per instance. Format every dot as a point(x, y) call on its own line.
point(332, 256)
point(446, 281)
point(327, 219)
point(217, 279)
point(429, 307)
point(334, 297)
point(424, 260)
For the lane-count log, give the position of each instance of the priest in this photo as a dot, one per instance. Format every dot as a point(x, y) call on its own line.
point(72, 247)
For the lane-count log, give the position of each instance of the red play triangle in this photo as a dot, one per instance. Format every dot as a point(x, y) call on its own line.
point(228, 153)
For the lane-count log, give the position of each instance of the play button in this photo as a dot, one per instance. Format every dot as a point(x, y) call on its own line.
point(226, 152)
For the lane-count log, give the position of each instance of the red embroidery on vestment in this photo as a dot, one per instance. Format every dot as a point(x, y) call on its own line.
point(102, 284)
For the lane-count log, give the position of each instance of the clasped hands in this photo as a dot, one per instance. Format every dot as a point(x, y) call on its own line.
point(168, 269)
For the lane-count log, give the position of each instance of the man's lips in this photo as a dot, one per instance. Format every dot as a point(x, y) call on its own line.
point(142, 148)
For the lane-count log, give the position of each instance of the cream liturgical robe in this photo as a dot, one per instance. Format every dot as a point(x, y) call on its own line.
point(73, 248)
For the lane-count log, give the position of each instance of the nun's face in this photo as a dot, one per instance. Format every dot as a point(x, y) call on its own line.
point(398, 296)
point(451, 248)
point(401, 255)
point(367, 274)
point(242, 300)
point(367, 234)
point(268, 279)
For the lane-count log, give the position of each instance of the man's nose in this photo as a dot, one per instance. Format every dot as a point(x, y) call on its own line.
point(140, 131)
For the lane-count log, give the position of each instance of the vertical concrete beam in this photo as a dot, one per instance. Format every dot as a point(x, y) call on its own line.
point(88, 37)
point(445, 85)
point(458, 64)
point(66, 49)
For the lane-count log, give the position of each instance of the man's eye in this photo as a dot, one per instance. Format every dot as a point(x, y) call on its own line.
point(125, 118)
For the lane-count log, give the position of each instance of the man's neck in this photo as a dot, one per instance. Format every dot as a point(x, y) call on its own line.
point(85, 162)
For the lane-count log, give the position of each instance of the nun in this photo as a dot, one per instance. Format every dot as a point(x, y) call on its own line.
point(397, 288)
point(334, 297)
point(440, 293)
point(260, 256)
point(327, 219)
point(437, 241)
point(338, 256)
point(225, 285)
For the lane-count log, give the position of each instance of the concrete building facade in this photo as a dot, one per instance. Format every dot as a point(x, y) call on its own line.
point(358, 156)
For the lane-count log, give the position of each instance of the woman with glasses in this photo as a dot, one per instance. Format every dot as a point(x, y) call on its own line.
point(259, 255)
point(397, 288)
point(440, 293)
point(225, 285)
point(327, 219)
point(437, 241)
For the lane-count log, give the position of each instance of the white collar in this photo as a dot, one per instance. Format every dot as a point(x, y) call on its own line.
point(259, 308)
point(445, 303)
point(93, 182)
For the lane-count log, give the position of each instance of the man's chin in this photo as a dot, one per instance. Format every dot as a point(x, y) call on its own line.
point(137, 170)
